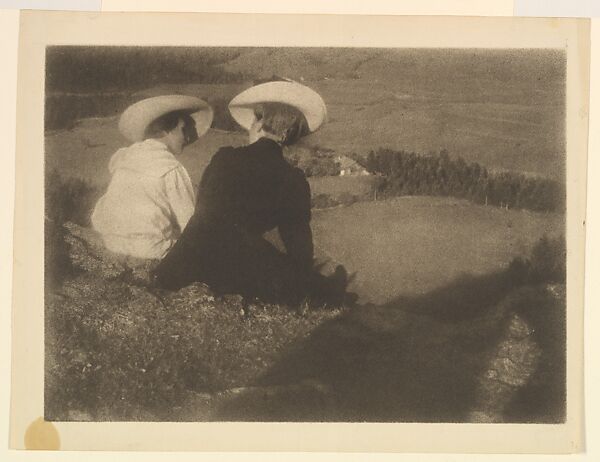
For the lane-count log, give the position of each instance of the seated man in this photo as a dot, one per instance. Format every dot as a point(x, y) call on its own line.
point(247, 191)
point(150, 197)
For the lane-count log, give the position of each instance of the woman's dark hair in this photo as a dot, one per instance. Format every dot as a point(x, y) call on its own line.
point(165, 124)
point(285, 122)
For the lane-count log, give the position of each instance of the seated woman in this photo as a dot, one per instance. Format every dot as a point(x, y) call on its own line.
point(150, 197)
point(247, 191)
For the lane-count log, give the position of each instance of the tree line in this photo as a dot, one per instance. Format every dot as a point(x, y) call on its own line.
point(407, 173)
point(127, 68)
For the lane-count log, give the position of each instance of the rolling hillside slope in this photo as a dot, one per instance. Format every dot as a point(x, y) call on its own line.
point(409, 246)
point(503, 109)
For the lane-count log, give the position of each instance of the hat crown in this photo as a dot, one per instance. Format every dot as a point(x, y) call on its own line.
point(303, 98)
point(136, 118)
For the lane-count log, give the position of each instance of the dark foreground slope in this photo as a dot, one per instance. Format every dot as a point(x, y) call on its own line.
point(478, 349)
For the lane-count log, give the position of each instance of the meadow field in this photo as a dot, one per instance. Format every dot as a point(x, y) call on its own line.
point(503, 109)
point(410, 246)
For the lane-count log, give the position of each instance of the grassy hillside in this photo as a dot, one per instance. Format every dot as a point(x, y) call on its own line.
point(336, 186)
point(503, 109)
point(459, 334)
point(488, 348)
point(126, 68)
point(412, 245)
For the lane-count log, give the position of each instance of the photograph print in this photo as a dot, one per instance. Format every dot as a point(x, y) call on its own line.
point(293, 234)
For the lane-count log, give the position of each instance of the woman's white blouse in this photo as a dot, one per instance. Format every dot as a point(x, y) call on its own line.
point(148, 202)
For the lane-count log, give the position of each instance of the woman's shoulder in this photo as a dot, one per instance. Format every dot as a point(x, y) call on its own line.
point(224, 153)
point(246, 154)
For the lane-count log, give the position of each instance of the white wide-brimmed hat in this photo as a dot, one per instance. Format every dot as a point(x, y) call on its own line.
point(136, 118)
point(307, 101)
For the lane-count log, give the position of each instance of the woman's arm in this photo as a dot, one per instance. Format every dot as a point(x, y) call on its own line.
point(180, 194)
point(294, 227)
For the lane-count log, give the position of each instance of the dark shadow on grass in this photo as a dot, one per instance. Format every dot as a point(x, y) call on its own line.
point(384, 363)
point(543, 400)
point(387, 363)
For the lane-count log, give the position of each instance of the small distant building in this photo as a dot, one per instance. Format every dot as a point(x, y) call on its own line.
point(349, 167)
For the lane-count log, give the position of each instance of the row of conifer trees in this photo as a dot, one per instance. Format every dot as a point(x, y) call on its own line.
point(406, 173)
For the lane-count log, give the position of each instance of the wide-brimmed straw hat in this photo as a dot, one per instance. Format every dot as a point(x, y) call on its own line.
point(306, 100)
point(136, 118)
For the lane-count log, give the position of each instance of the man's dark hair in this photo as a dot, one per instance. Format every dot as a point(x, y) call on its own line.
point(165, 124)
point(284, 121)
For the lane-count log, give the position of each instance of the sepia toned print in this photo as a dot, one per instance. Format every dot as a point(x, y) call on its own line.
point(295, 234)
point(437, 186)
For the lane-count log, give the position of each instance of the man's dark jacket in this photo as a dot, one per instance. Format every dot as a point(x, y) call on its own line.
point(245, 192)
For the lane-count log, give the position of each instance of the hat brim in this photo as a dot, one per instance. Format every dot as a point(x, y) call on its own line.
point(136, 118)
point(306, 100)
